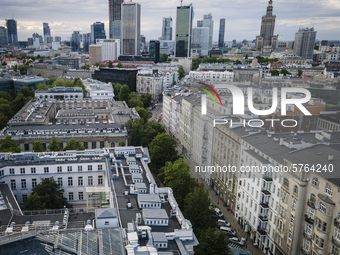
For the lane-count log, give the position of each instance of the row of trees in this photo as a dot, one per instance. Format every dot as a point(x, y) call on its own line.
point(123, 93)
point(77, 82)
point(197, 61)
point(55, 145)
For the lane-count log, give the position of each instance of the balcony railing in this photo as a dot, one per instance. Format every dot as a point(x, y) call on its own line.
point(307, 235)
point(337, 222)
point(263, 217)
point(336, 242)
point(311, 203)
point(262, 232)
point(308, 219)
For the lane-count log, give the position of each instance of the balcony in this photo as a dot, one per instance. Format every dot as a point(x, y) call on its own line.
point(264, 205)
point(263, 218)
point(262, 232)
point(309, 220)
point(267, 178)
point(304, 251)
point(336, 242)
point(307, 235)
point(311, 203)
point(265, 192)
point(337, 222)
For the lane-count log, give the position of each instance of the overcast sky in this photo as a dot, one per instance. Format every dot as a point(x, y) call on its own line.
point(243, 17)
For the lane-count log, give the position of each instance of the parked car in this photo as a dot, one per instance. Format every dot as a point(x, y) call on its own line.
point(228, 230)
point(223, 223)
point(235, 240)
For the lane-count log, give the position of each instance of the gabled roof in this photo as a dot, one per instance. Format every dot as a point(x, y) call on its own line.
point(106, 213)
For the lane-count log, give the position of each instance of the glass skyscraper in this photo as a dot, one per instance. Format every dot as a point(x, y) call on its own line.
point(115, 17)
point(3, 36)
point(97, 31)
point(185, 15)
point(75, 41)
point(154, 50)
point(167, 29)
point(12, 33)
point(47, 31)
point(86, 42)
point(221, 33)
point(131, 28)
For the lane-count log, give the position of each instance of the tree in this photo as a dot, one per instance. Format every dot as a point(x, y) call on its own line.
point(144, 114)
point(195, 63)
point(41, 60)
point(56, 55)
point(119, 65)
point(181, 72)
point(116, 89)
point(150, 131)
point(274, 72)
point(110, 65)
point(162, 149)
point(42, 86)
point(197, 209)
point(176, 175)
point(38, 147)
point(299, 72)
point(212, 243)
point(121, 143)
point(85, 67)
point(46, 195)
point(136, 131)
point(237, 62)
point(54, 145)
point(8, 145)
point(134, 100)
point(26, 92)
point(74, 145)
point(163, 57)
point(124, 93)
point(15, 68)
point(284, 71)
point(146, 99)
point(96, 64)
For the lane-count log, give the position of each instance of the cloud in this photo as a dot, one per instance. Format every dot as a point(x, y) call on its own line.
point(243, 17)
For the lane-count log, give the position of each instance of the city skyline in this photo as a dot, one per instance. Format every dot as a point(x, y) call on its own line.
point(240, 23)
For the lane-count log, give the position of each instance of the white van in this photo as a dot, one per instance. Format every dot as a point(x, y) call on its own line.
point(223, 223)
point(229, 231)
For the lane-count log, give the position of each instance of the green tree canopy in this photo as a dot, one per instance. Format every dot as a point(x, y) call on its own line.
point(8, 145)
point(119, 65)
point(124, 93)
point(212, 243)
point(197, 209)
point(42, 86)
point(110, 65)
point(150, 131)
point(85, 67)
point(74, 145)
point(146, 99)
point(162, 149)
point(134, 100)
point(136, 130)
point(284, 71)
point(181, 72)
point(195, 63)
point(176, 175)
point(26, 92)
point(54, 145)
point(144, 114)
point(163, 57)
point(38, 147)
point(299, 72)
point(46, 195)
point(274, 72)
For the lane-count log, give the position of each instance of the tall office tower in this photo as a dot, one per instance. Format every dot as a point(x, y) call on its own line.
point(86, 41)
point(75, 41)
point(49, 39)
point(46, 31)
point(3, 36)
point(131, 28)
point(266, 39)
point(199, 23)
point(167, 29)
point(115, 17)
point(154, 48)
point(200, 41)
point(184, 19)
point(323, 43)
point(29, 41)
point(208, 22)
point(97, 31)
point(304, 43)
point(105, 49)
point(12, 32)
point(57, 39)
point(221, 33)
point(37, 36)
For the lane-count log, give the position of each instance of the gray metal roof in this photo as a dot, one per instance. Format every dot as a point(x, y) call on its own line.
point(106, 213)
point(153, 198)
point(155, 214)
point(159, 237)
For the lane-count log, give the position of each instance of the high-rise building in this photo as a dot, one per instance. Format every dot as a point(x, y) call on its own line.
point(200, 41)
point(75, 41)
point(46, 32)
point(221, 33)
point(167, 29)
point(266, 39)
point(304, 42)
point(49, 39)
point(115, 17)
point(86, 41)
point(208, 22)
point(131, 28)
point(38, 37)
point(97, 31)
point(184, 19)
point(57, 39)
point(154, 48)
point(199, 23)
point(12, 32)
point(105, 49)
point(323, 43)
point(30, 41)
point(3, 36)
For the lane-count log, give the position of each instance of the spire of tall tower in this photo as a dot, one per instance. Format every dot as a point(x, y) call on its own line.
point(270, 8)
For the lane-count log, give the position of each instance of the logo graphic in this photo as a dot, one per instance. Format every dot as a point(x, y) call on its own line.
point(204, 97)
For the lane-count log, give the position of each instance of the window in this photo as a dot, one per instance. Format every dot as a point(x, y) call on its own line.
point(329, 190)
point(290, 234)
point(1, 172)
point(34, 183)
point(24, 198)
point(296, 190)
point(294, 204)
point(89, 167)
point(70, 196)
point(93, 145)
point(322, 207)
point(306, 244)
point(337, 233)
point(100, 167)
point(70, 181)
point(33, 170)
point(22, 170)
point(80, 181)
point(60, 182)
point(13, 184)
point(23, 184)
point(315, 182)
point(100, 180)
point(90, 180)
point(69, 168)
point(80, 168)
point(309, 228)
point(81, 195)
point(46, 170)
point(11, 171)
point(291, 219)
point(286, 182)
point(59, 169)
point(101, 144)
